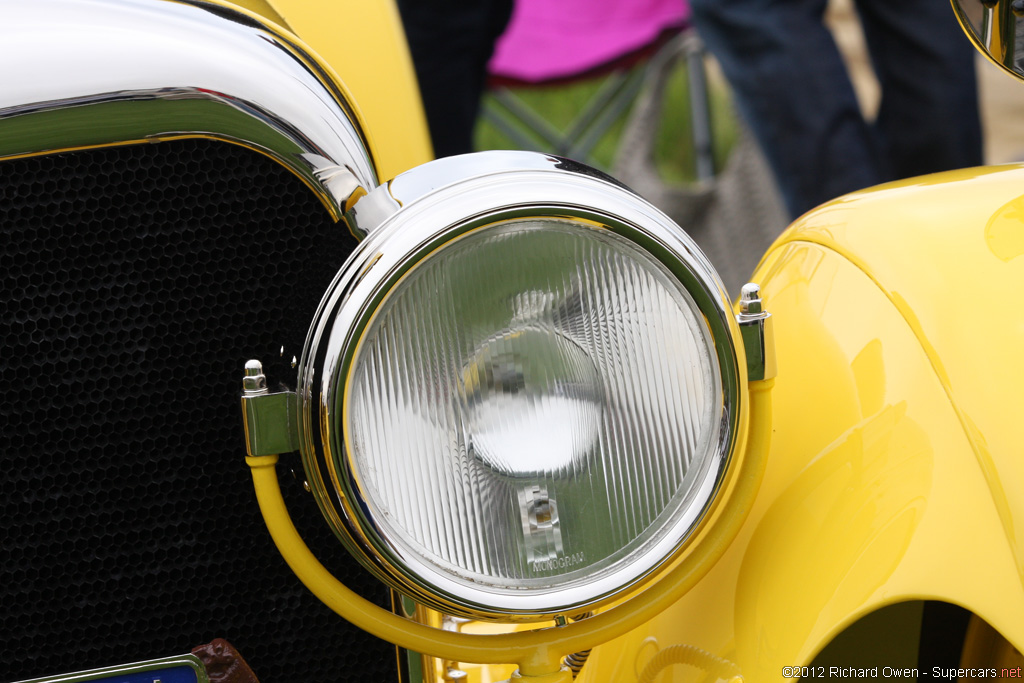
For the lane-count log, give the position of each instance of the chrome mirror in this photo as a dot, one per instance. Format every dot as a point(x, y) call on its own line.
point(996, 27)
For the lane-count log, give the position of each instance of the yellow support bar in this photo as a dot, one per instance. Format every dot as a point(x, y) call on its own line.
point(538, 653)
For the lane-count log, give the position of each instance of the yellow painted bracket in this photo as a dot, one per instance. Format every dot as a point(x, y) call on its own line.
point(538, 653)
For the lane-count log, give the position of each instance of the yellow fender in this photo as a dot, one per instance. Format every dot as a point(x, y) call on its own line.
point(896, 471)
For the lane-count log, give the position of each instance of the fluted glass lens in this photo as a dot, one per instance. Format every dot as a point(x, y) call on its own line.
point(534, 407)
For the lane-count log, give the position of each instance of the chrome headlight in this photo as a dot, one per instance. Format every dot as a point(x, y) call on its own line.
point(518, 407)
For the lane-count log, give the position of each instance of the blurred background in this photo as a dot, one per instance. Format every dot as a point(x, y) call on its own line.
point(1002, 97)
point(734, 213)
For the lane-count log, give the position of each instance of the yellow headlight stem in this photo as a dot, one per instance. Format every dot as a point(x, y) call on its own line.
point(538, 653)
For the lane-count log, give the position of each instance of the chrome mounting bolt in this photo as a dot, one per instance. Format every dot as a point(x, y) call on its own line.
point(758, 334)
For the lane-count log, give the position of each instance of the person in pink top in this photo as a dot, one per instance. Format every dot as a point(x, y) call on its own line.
point(548, 41)
point(452, 45)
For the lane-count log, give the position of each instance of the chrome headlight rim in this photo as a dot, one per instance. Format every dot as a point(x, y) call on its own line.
point(390, 253)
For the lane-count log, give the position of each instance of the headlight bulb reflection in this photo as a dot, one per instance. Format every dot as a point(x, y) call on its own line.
point(531, 401)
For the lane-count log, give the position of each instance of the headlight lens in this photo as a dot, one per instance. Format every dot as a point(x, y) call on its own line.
point(533, 407)
point(524, 414)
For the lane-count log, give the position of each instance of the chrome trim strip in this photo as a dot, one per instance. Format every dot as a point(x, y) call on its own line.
point(88, 73)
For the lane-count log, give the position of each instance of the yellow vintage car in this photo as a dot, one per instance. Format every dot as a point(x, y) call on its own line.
point(502, 419)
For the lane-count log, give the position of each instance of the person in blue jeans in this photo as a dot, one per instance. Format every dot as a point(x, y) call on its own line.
point(793, 90)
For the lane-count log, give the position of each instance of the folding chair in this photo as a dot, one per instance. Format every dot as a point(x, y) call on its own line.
point(552, 44)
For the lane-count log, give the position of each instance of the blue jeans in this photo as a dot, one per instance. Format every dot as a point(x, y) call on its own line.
point(792, 88)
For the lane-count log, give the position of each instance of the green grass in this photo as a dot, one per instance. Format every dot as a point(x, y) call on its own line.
point(673, 147)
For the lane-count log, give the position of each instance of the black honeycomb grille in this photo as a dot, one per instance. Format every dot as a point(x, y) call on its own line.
point(134, 283)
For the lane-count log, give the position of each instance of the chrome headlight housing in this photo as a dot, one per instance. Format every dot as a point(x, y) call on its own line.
point(520, 395)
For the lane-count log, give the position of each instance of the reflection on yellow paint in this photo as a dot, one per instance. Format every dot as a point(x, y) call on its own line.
point(995, 486)
point(1004, 233)
point(848, 518)
point(869, 376)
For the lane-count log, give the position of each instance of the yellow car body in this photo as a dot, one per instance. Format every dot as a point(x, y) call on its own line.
point(894, 445)
point(893, 451)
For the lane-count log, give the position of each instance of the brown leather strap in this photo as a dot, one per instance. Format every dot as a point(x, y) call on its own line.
point(224, 664)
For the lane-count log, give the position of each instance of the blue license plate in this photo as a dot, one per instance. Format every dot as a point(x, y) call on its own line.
point(181, 669)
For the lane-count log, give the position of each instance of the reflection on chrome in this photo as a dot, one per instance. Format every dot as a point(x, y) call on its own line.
point(150, 71)
point(997, 29)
